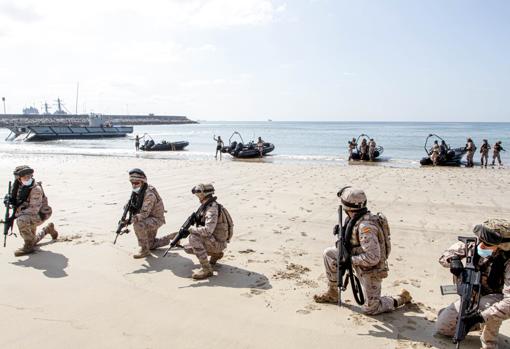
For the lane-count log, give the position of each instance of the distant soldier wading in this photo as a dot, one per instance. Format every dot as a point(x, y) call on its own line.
point(212, 232)
point(147, 213)
point(370, 248)
point(32, 209)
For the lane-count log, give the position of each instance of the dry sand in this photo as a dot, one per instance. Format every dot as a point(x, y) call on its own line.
point(84, 292)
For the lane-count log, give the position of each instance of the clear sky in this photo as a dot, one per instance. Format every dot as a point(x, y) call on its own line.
point(387, 60)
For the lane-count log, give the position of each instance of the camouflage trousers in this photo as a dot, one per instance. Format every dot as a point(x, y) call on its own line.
point(27, 226)
point(469, 157)
point(371, 154)
point(434, 157)
point(371, 284)
point(484, 159)
point(203, 246)
point(496, 157)
point(146, 231)
point(447, 321)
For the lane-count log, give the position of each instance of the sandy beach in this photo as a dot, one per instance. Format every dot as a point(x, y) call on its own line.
point(84, 292)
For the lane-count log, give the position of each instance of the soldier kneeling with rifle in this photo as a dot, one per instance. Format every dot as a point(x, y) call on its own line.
point(210, 228)
point(30, 210)
point(363, 247)
point(483, 284)
point(146, 211)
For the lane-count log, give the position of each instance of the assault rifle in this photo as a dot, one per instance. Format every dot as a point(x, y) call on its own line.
point(124, 222)
point(9, 218)
point(344, 263)
point(183, 232)
point(468, 288)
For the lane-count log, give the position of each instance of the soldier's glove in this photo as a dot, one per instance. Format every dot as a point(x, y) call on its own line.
point(456, 266)
point(336, 230)
point(473, 319)
point(7, 200)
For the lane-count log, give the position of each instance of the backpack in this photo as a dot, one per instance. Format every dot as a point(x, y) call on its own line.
point(384, 235)
point(225, 226)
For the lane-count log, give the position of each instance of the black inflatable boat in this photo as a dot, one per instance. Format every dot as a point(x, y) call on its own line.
point(356, 154)
point(150, 145)
point(447, 157)
point(246, 151)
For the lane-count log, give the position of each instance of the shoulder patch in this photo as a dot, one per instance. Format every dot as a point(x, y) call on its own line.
point(366, 230)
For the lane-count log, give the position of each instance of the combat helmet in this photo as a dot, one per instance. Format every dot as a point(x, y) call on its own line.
point(494, 232)
point(353, 199)
point(137, 174)
point(23, 170)
point(206, 189)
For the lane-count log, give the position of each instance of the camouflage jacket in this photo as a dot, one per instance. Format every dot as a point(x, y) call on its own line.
point(484, 149)
point(491, 284)
point(206, 224)
point(367, 255)
point(34, 202)
point(152, 206)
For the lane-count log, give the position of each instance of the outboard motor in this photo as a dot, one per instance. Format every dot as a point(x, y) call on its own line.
point(233, 146)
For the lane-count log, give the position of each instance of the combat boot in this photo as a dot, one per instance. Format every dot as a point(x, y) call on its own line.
point(403, 298)
point(144, 252)
point(330, 296)
point(203, 273)
point(50, 229)
point(215, 257)
point(26, 249)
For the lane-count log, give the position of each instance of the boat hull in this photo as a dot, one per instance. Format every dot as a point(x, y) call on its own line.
point(173, 146)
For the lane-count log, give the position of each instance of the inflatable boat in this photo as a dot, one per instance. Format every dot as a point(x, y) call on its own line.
point(150, 145)
point(447, 157)
point(356, 154)
point(246, 151)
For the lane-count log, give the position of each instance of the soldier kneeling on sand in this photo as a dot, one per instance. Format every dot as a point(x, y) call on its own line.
point(213, 230)
point(370, 246)
point(493, 260)
point(147, 214)
point(31, 209)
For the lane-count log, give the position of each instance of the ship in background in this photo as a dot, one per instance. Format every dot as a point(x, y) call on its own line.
point(34, 126)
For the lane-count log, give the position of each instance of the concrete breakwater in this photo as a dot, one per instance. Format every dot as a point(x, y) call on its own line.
point(9, 120)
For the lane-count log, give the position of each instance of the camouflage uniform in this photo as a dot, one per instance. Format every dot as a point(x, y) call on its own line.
point(434, 153)
point(28, 218)
point(496, 153)
point(369, 263)
point(484, 150)
point(352, 147)
point(470, 147)
point(202, 242)
point(371, 149)
point(494, 300)
point(363, 149)
point(149, 219)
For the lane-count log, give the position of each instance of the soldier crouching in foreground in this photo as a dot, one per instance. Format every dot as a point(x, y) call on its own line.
point(31, 209)
point(368, 237)
point(213, 230)
point(147, 213)
point(492, 259)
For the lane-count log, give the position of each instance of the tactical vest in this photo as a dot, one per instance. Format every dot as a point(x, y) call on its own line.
point(383, 236)
point(45, 211)
point(224, 226)
point(493, 273)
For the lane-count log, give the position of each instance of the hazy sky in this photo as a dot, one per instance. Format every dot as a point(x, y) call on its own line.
point(413, 60)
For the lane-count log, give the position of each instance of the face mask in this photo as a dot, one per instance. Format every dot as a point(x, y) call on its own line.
point(27, 183)
point(136, 190)
point(483, 252)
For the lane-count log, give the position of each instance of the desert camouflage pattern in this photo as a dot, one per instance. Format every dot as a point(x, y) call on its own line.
point(150, 218)
point(434, 154)
point(496, 154)
point(371, 149)
point(28, 218)
point(368, 264)
point(202, 241)
point(494, 303)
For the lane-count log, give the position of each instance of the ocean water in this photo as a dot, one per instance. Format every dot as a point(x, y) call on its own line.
point(403, 142)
